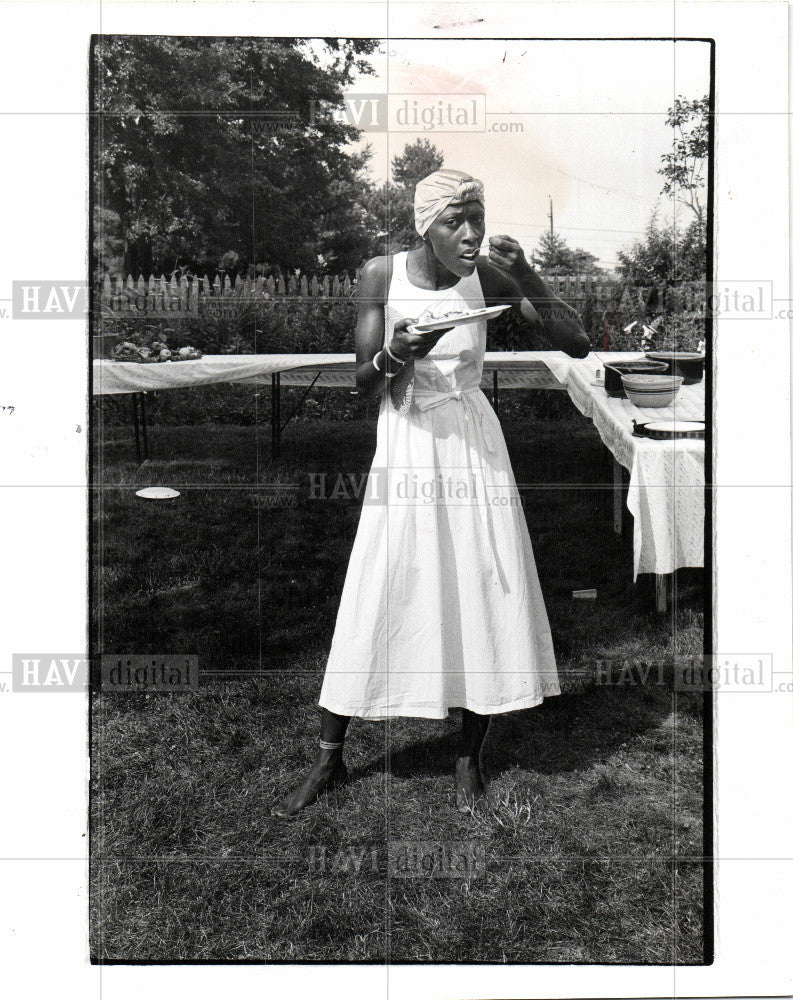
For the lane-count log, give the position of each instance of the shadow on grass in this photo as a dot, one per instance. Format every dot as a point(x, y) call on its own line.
point(564, 734)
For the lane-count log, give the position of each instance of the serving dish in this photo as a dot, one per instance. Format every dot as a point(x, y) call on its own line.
point(651, 390)
point(664, 430)
point(614, 371)
point(689, 364)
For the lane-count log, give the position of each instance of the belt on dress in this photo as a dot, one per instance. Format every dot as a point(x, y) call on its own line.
point(427, 401)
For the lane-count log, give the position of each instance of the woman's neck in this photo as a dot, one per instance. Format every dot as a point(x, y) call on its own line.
point(429, 271)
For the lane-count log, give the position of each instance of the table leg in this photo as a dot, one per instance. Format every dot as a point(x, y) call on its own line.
point(296, 410)
point(604, 492)
point(616, 492)
point(660, 593)
point(275, 414)
point(495, 391)
point(143, 426)
point(133, 399)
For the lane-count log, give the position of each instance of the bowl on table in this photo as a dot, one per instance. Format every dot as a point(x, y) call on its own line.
point(614, 371)
point(689, 364)
point(651, 390)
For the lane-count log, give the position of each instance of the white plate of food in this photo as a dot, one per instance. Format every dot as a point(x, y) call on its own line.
point(458, 318)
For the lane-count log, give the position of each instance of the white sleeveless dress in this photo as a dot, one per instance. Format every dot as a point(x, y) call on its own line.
point(442, 606)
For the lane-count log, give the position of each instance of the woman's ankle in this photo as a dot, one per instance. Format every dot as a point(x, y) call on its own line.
point(328, 759)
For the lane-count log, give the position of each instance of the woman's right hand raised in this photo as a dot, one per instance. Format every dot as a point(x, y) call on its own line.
point(408, 346)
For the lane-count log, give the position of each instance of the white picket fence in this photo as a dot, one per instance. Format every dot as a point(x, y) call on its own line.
point(174, 298)
point(182, 297)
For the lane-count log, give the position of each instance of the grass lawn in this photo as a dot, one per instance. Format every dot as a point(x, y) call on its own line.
point(591, 852)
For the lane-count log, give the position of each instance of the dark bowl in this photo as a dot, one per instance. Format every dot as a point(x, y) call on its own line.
point(613, 373)
point(689, 364)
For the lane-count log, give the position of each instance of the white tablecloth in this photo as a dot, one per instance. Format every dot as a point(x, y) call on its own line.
point(666, 495)
point(517, 369)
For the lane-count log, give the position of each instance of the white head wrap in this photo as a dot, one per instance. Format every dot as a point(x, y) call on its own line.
point(445, 187)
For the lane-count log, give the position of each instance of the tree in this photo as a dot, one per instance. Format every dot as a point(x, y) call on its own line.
point(684, 168)
point(554, 256)
point(390, 206)
point(665, 255)
point(208, 146)
point(418, 159)
point(583, 262)
point(673, 252)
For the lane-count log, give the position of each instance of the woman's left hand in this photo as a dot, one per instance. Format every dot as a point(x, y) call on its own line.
point(507, 253)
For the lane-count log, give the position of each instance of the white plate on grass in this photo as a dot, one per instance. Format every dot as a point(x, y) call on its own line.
point(459, 319)
point(157, 493)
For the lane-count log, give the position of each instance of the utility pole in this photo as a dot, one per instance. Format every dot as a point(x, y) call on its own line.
point(550, 216)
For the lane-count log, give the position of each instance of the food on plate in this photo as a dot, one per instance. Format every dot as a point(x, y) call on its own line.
point(442, 312)
point(445, 316)
point(157, 351)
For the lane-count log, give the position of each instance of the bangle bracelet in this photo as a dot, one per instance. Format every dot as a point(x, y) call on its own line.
point(390, 353)
point(377, 367)
point(390, 374)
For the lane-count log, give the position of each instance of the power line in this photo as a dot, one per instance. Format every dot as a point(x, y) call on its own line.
point(577, 229)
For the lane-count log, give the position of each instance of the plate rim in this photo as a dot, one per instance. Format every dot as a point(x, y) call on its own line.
point(473, 314)
point(674, 355)
point(144, 495)
point(674, 425)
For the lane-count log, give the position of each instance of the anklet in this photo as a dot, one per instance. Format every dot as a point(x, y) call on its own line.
point(325, 745)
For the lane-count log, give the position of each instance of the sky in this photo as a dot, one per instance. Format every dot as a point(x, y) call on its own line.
point(586, 124)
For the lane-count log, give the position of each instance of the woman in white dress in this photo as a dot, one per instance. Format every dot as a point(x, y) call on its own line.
point(442, 606)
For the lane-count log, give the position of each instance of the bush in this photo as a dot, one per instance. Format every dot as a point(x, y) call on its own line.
point(282, 325)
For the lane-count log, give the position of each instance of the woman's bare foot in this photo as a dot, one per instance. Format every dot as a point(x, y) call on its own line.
point(328, 771)
point(469, 786)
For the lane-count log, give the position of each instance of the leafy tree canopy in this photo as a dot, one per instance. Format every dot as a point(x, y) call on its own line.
point(665, 254)
point(212, 146)
point(685, 167)
point(554, 256)
point(677, 251)
point(390, 206)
